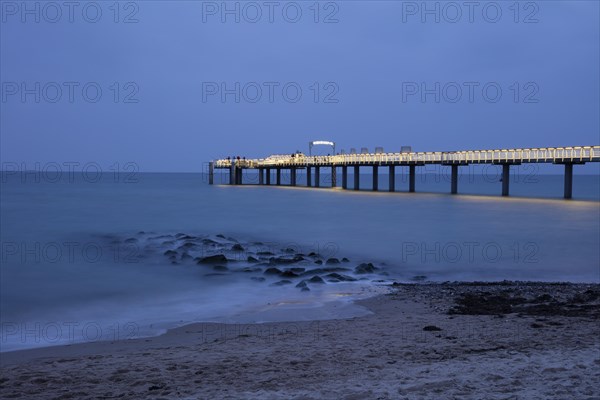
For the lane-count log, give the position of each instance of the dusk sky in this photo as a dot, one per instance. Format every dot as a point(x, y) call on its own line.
point(361, 67)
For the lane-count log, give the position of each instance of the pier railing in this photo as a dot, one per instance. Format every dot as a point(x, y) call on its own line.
point(548, 155)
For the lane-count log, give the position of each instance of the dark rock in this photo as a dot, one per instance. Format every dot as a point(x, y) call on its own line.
point(272, 271)
point(249, 269)
point(536, 325)
point(215, 274)
point(237, 247)
point(221, 236)
point(319, 271)
point(170, 253)
point(265, 253)
point(284, 260)
point(252, 259)
point(188, 245)
point(289, 274)
point(281, 283)
point(298, 270)
point(419, 278)
point(431, 328)
point(131, 240)
point(301, 284)
point(316, 279)
point(313, 254)
point(332, 261)
point(365, 268)
point(220, 268)
point(289, 250)
point(319, 262)
point(216, 259)
point(258, 278)
point(345, 260)
point(341, 277)
point(180, 235)
point(185, 256)
point(209, 242)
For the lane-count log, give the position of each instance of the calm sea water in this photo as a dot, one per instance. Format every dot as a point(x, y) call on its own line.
point(60, 282)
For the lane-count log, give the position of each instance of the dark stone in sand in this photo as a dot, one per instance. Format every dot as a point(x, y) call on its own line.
point(340, 277)
point(180, 235)
point(185, 256)
point(188, 245)
point(209, 242)
point(220, 268)
point(365, 268)
point(216, 259)
point(281, 283)
point(168, 243)
point(249, 269)
point(221, 236)
point(131, 240)
point(313, 254)
point(258, 278)
point(237, 247)
point(431, 328)
point(186, 237)
point(319, 262)
point(318, 271)
point(272, 271)
point(289, 274)
point(345, 260)
point(283, 260)
point(332, 261)
point(170, 253)
point(265, 253)
point(302, 284)
point(252, 259)
point(289, 250)
point(316, 279)
point(297, 270)
point(536, 325)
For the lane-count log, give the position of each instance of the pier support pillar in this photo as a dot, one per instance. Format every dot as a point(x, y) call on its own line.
point(333, 176)
point(317, 176)
point(454, 179)
point(211, 173)
point(568, 180)
point(375, 178)
point(411, 178)
point(344, 177)
point(268, 173)
point(278, 177)
point(293, 176)
point(261, 177)
point(232, 177)
point(392, 177)
point(308, 176)
point(505, 179)
point(356, 177)
point(239, 176)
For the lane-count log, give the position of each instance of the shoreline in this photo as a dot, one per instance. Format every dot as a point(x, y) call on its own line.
point(424, 340)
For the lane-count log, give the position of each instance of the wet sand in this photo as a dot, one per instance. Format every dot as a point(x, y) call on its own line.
point(456, 340)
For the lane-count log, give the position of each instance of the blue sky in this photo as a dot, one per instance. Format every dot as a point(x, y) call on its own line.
point(370, 73)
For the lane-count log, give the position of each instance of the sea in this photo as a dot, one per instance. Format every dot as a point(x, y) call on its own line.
point(83, 255)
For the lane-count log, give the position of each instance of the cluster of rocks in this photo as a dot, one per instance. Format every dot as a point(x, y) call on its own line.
point(221, 255)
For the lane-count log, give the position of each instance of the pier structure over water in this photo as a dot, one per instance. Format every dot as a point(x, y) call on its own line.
point(567, 156)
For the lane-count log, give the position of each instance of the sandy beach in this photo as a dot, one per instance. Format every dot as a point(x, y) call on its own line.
point(456, 340)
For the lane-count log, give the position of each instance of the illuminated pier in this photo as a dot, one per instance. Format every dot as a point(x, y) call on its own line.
point(567, 156)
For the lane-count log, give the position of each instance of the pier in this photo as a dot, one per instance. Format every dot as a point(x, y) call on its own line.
point(564, 156)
